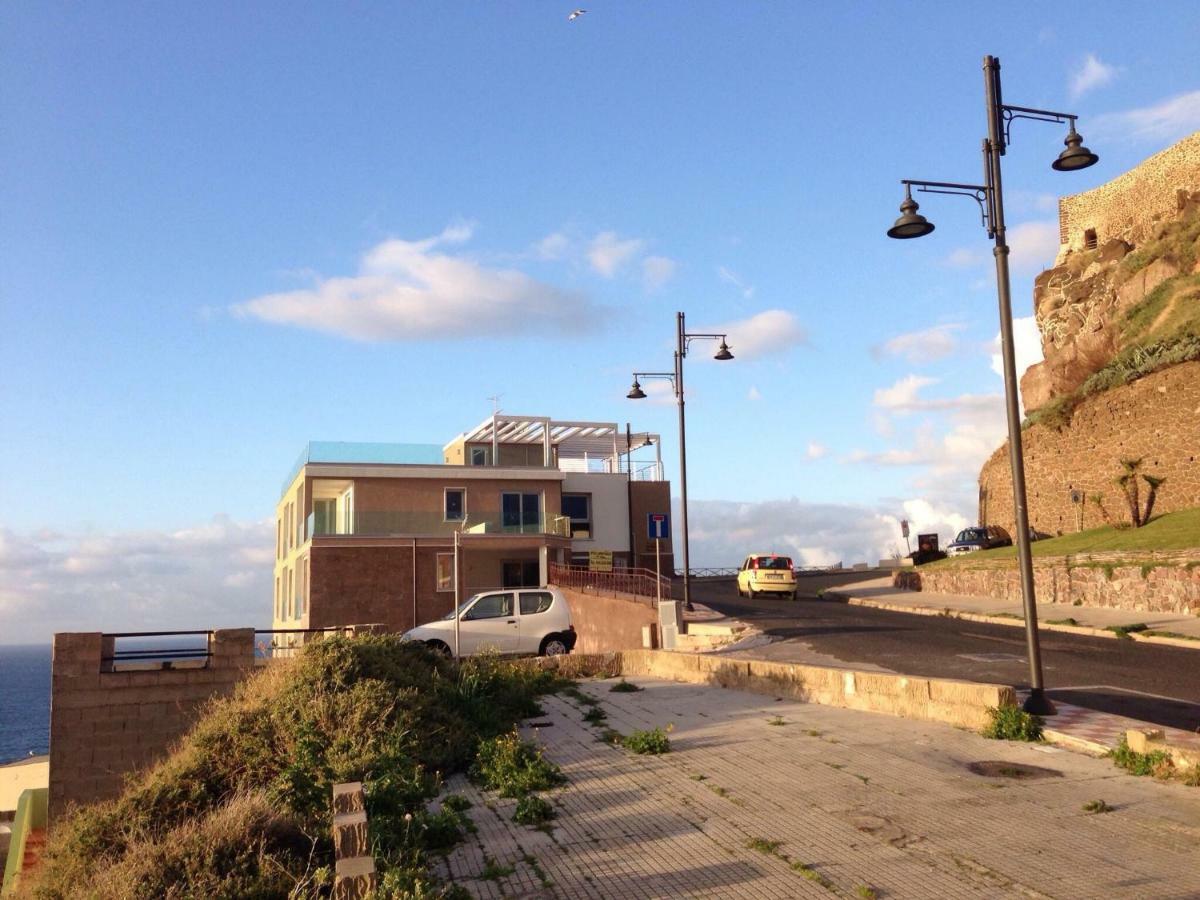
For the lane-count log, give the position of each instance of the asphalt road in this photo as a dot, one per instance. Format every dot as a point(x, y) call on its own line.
point(1152, 683)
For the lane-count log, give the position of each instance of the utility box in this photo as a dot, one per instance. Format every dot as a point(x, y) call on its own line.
point(670, 622)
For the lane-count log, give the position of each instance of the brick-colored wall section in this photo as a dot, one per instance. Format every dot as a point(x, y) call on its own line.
point(650, 497)
point(104, 724)
point(1167, 585)
point(605, 624)
point(1156, 418)
point(1126, 207)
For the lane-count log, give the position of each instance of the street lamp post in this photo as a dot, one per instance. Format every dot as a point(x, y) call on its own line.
point(990, 197)
point(682, 342)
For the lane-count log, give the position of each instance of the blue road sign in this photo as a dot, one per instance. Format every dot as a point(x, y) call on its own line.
point(658, 526)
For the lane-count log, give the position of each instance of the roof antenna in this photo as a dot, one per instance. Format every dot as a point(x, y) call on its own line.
point(495, 403)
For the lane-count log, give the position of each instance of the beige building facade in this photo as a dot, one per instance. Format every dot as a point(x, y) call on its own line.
point(366, 533)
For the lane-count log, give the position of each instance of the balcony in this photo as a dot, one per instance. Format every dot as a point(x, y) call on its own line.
point(396, 523)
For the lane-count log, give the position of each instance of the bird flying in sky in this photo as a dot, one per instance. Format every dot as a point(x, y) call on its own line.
point(575, 15)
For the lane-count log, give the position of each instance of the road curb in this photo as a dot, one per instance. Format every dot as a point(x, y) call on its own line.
point(949, 613)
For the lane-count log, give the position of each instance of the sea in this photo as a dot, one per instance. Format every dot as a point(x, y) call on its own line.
point(24, 701)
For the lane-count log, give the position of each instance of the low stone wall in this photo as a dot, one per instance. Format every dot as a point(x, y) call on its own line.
point(1166, 585)
point(105, 723)
point(960, 703)
point(605, 622)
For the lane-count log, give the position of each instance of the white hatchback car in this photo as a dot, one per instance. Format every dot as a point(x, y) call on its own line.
point(516, 621)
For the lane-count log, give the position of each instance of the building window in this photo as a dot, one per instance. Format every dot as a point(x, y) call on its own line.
point(445, 571)
point(521, 512)
point(455, 504)
point(578, 508)
point(1089, 239)
point(278, 600)
point(325, 516)
point(479, 456)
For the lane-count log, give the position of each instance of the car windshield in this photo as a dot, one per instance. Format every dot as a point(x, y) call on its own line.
point(465, 605)
point(774, 562)
point(971, 534)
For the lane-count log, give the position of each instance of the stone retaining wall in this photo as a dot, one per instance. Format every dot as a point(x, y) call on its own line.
point(960, 703)
point(1166, 586)
point(606, 622)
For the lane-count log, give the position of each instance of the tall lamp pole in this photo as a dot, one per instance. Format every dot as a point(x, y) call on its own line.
point(682, 341)
point(990, 197)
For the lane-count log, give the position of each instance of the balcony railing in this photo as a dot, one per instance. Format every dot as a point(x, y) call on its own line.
point(386, 523)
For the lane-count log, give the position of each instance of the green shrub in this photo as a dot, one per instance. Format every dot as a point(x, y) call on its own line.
point(1156, 762)
point(533, 810)
point(624, 687)
point(514, 767)
point(1096, 806)
point(1011, 723)
point(653, 742)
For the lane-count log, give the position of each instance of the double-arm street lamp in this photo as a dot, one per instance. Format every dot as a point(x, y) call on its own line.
point(990, 197)
point(682, 342)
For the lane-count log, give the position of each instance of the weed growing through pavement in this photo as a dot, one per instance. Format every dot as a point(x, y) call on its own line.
point(595, 716)
point(1156, 762)
point(624, 687)
point(812, 732)
point(456, 802)
point(653, 741)
point(777, 720)
point(1096, 806)
point(493, 871)
point(1011, 723)
point(762, 845)
point(533, 810)
point(698, 777)
point(611, 736)
point(1070, 620)
point(812, 875)
point(1124, 631)
point(514, 767)
point(865, 892)
point(533, 864)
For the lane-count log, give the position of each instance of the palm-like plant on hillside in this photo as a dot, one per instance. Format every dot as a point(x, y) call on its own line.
point(1128, 482)
point(1155, 483)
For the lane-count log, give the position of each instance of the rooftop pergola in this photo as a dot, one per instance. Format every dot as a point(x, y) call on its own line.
point(568, 440)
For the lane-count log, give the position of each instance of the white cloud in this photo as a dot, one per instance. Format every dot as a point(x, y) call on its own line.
point(922, 346)
point(764, 334)
point(816, 450)
point(730, 277)
point(753, 393)
point(553, 246)
point(1091, 74)
point(1033, 245)
point(1161, 122)
point(902, 396)
point(608, 252)
point(657, 271)
point(1027, 348)
point(964, 258)
point(217, 574)
point(723, 532)
point(405, 291)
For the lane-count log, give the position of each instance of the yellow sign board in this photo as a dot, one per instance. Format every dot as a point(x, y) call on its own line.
point(600, 560)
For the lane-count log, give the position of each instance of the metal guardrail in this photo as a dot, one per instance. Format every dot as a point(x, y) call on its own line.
point(638, 582)
point(731, 572)
point(157, 654)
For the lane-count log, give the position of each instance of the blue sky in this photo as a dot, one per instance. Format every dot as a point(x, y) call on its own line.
point(206, 210)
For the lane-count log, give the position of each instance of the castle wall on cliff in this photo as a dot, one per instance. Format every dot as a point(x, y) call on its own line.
point(1128, 207)
point(1156, 418)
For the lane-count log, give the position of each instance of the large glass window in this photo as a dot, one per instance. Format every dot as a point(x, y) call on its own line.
point(479, 456)
point(325, 516)
point(493, 606)
point(521, 512)
point(445, 571)
point(578, 508)
point(456, 504)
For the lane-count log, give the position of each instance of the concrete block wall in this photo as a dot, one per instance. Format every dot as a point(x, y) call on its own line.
point(607, 623)
point(107, 721)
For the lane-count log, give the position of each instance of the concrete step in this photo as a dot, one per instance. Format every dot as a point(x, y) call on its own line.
point(700, 642)
point(716, 629)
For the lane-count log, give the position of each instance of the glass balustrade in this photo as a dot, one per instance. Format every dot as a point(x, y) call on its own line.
point(383, 523)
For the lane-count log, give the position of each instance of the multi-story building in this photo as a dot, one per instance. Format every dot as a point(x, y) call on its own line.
point(366, 532)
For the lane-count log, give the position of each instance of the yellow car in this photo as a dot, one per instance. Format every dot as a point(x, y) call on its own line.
point(766, 573)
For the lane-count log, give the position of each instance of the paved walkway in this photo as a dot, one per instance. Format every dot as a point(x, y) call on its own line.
point(1051, 616)
point(830, 803)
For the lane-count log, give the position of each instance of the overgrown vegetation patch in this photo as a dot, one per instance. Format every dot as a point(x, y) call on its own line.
point(652, 741)
point(1011, 723)
point(242, 807)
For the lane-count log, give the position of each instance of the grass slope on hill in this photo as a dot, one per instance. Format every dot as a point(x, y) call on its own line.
point(1172, 531)
point(241, 808)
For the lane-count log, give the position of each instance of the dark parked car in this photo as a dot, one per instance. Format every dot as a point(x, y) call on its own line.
point(979, 537)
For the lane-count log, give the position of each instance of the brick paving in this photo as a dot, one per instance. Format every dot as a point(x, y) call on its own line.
point(1103, 730)
point(863, 800)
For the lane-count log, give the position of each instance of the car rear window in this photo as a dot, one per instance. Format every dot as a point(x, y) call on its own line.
point(774, 562)
point(534, 602)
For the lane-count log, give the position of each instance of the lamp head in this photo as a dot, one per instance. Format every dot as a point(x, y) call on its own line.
point(723, 351)
point(1076, 156)
point(911, 223)
point(636, 392)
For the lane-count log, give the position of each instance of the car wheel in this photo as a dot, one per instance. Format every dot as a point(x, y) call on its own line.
point(438, 647)
point(553, 645)
point(750, 592)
